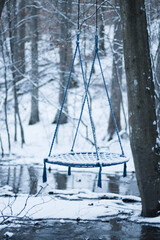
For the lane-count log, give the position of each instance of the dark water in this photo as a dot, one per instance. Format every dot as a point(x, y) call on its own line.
point(28, 179)
point(113, 229)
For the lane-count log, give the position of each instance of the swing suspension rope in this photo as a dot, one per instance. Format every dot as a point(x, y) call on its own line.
point(86, 159)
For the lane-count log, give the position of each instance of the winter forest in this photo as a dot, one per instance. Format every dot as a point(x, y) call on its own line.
point(80, 79)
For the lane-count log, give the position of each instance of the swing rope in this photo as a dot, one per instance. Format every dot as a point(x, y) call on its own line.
point(64, 97)
point(90, 159)
point(86, 96)
point(96, 54)
point(63, 101)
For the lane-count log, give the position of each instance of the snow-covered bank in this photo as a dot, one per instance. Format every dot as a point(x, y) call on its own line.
point(73, 205)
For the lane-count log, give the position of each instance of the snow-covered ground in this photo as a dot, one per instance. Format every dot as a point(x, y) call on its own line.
point(73, 205)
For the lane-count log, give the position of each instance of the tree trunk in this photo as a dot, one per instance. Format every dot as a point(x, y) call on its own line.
point(101, 29)
point(116, 97)
point(6, 93)
point(63, 62)
point(12, 18)
point(21, 40)
point(157, 84)
point(73, 82)
point(2, 2)
point(34, 118)
point(141, 103)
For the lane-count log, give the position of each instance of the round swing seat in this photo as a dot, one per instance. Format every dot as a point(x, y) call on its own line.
point(87, 159)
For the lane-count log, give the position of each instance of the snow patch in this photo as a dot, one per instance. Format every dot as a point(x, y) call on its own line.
point(8, 234)
point(135, 82)
point(154, 123)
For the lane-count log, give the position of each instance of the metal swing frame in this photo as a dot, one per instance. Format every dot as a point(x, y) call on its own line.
point(86, 159)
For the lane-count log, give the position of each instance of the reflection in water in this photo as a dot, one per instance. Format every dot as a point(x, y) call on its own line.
point(113, 184)
point(94, 183)
point(4, 176)
point(21, 178)
point(115, 227)
point(8, 177)
point(92, 230)
point(11, 176)
point(150, 233)
point(61, 181)
point(33, 180)
point(17, 179)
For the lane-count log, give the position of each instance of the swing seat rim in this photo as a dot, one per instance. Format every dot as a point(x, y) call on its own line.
point(86, 159)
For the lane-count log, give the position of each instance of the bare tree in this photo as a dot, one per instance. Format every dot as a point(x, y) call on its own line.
point(34, 117)
point(141, 101)
point(101, 29)
point(116, 97)
point(64, 62)
point(12, 19)
point(21, 36)
point(73, 82)
point(6, 90)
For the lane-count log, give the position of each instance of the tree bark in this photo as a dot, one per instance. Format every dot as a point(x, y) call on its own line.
point(141, 104)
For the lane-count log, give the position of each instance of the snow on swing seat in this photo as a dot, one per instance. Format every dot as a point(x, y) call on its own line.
point(87, 159)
